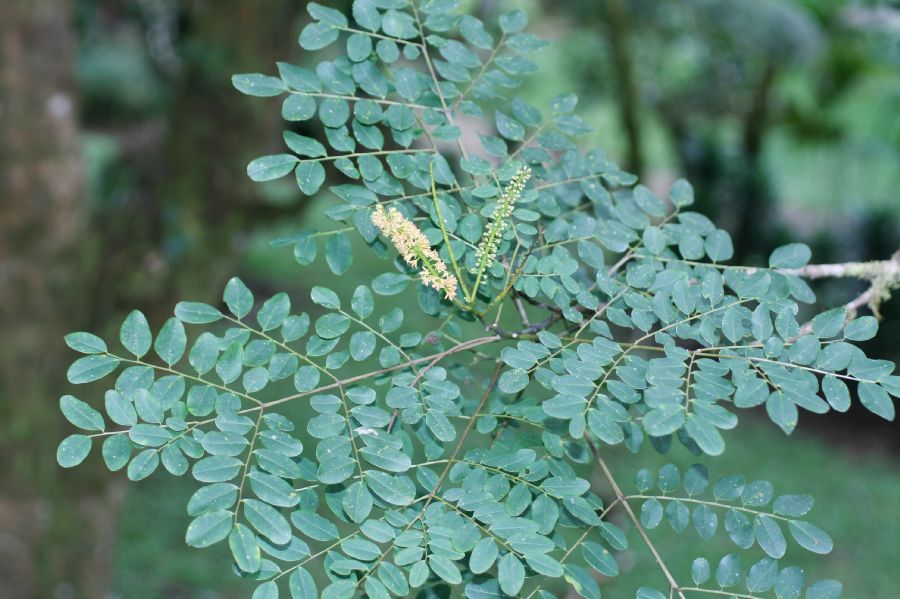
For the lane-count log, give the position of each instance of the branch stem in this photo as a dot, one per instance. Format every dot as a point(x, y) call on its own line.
point(673, 585)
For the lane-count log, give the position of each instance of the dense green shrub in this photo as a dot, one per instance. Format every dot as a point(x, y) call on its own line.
point(570, 309)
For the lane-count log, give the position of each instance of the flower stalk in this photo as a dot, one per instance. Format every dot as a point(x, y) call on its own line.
point(444, 234)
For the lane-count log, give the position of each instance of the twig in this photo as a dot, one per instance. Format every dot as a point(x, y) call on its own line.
point(520, 307)
point(462, 439)
point(673, 585)
point(437, 358)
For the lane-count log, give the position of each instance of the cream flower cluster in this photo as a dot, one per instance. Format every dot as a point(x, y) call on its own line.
point(487, 249)
point(414, 247)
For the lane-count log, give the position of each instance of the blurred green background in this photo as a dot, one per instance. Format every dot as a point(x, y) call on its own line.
point(122, 185)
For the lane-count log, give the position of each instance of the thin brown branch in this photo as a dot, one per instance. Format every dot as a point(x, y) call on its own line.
point(462, 439)
point(437, 358)
point(673, 585)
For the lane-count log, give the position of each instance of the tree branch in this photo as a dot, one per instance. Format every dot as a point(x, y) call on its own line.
point(859, 270)
point(883, 275)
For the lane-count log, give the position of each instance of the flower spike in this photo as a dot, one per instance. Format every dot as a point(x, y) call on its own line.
point(486, 251)
point(415, 249)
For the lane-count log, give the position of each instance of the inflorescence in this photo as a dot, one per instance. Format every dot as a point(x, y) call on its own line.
point(487, 248)
point(414, 247)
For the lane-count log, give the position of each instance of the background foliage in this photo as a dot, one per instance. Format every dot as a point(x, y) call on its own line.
point(181, 238)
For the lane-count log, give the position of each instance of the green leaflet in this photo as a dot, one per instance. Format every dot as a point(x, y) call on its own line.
point(218, 496)
point(135, 334)
point(216, 469)
point(86, 343)
point(445, 569)
point(73, 450)
point(171, 341)
point(81, 414)
point(91, 368)
point(511, 574)
point(116, 452)
point(267, 521)
point(196, 313)
point(484, 554)
point(143, 464)
point(208, 528)
point(302, 585)
point(244, 548)
point(314, 526)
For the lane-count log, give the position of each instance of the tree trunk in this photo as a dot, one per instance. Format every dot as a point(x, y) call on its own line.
point(57, 539)
point(63, 268)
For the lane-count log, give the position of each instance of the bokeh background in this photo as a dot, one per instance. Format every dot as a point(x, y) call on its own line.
point(122, 185)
